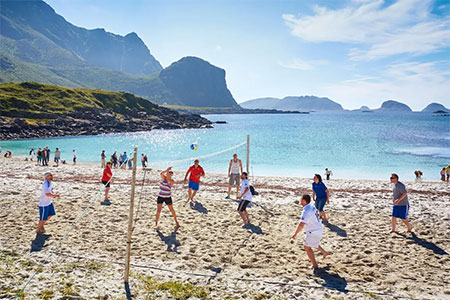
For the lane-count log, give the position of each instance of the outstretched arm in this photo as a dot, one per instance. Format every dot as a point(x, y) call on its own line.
point(328, 196)
point(299, 228)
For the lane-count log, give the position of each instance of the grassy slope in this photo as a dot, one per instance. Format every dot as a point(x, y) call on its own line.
point(35, 100)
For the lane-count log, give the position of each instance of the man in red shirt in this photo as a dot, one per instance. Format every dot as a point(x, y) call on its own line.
point(106, 180)
point(194, 179)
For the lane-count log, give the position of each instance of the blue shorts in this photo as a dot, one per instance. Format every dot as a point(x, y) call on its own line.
point(56, 159)
point(400, 212)
point(320, 203)
point(46, 211)
point(194, 185)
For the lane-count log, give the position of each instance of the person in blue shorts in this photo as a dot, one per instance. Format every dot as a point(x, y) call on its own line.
point(46, 208)
point(401, 203)
point(195, 171)
point(320, 196)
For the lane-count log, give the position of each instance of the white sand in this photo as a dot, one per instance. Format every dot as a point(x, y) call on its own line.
point(211, 249)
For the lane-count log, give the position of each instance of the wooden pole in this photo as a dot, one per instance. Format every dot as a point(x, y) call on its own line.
point(248, 154)
point(130, 220)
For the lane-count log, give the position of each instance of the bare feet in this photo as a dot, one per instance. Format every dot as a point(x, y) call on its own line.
point(409, 228)
point(325, 254)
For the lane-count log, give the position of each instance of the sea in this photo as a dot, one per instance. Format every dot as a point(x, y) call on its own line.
point(353, 145)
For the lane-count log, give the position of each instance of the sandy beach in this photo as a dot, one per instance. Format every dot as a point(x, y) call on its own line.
point(211, 256)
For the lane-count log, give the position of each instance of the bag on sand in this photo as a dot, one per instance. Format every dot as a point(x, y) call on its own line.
point(253, 191)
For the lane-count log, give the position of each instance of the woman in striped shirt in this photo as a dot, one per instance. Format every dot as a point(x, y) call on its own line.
point(164, 195)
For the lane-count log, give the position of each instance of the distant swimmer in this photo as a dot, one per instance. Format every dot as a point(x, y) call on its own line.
point(165, 195)
point(320, 195)
point(46, 208)
point(234, 174)
point(310, 222)
point(195, 171)
point(401, 203)
point(245, 197)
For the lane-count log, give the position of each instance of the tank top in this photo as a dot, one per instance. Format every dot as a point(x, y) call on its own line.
point(235, 169)
point(164, 189)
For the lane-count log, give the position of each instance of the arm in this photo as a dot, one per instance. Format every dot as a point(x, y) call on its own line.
point(229, 169)
point(185, 176)
point(164, 173)
point(400, 199)
point(299, 228)
point(240, 164)
point(245, 191)
point(51, 195)
point(328, 196)
point(314, 195)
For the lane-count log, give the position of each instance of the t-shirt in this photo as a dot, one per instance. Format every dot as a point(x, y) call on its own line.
point(310, 216)
point(245, 185)
point(320, 190)
point(107, 174)
point(47, 188)
point(103, 155)
point(195, 172)
point(58, 154)
point(400, 189)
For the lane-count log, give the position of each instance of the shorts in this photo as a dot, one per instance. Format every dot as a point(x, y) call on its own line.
point(243, 205)
point(56, 159)
point(320, 203)
point(106, 183)
point(235, 179)
point(400, 212)
point(194, 185)
point(312, 238)
point(46, 211)
point(74, 159)
point(162, 200)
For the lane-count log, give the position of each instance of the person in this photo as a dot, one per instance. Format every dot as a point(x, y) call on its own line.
point(130, 163)
point(44, 156)
point(57, 156)
point(114, 159)
point(32, 154)
point(447, 171)
point(164, 196)
point(320, 195)
point(46, 208)
point(234, 173)
point(196, 171)
point(74, 157)
point(443, 174)
point(39, 156)
point(47, 153)
point(103, 157)
point(328, 173)
point(310, 221)
point(143, 162)
point(124, 160)
point(401, 203)
point(418, 174)
point(245, 197)
point(7, 154)
point(106, 180)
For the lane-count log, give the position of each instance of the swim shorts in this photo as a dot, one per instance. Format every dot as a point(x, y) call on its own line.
point(46, 211)
point(194, 185)
point(162, 200)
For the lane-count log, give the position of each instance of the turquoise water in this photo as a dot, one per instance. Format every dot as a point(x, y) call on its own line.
point(351, 144)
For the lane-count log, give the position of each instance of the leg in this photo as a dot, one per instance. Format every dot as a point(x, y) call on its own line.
point(229, 190)
point(408, 225)
point(158, 213)
point(106, 193)
point(246, 216)
point(324, 216)
point(324, 253)
point(193, 194)
point(243, 217)
point(174, 215)
point(189, 194)
point(394, 222)
point(237, 190)
point(311, 256)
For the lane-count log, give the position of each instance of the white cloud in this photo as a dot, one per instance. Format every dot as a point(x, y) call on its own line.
point(407, 26)
point(303, 65)
point(416, 84)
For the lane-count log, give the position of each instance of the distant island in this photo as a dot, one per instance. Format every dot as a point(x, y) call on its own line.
point(434, 107)
point(300, 103)
point(31, 110)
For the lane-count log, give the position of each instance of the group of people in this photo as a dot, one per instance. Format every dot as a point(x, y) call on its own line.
point(43, 156)
point(445, 171)
point(311, 220)
point(122, 161)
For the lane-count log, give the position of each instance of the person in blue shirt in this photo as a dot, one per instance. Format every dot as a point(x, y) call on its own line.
point(320, 196)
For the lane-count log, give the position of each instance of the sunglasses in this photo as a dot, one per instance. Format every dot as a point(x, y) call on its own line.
point(170, 172)
point(392, 177)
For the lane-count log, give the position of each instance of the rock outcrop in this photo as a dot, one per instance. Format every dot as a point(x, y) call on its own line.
point(301, 103)
point(394, 106)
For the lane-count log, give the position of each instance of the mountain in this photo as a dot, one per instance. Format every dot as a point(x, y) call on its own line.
point(302, 103)
point(392, 105)
point(30, 109)
point(33, 32)
point(36, 44)
point(432, 107)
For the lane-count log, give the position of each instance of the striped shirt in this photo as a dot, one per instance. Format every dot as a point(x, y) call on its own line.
point(165, 189)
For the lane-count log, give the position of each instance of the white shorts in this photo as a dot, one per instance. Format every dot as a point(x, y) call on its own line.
point(312, 238)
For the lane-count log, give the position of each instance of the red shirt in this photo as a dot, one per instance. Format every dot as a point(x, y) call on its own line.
point(195, 173)
point(107, 174)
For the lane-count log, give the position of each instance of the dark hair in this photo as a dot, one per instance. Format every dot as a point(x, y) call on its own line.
point(394, 175)
point(307, 198)
point(318, 177)
point(245, 173)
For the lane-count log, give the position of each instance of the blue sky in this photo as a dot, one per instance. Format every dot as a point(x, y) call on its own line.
point(356, 52)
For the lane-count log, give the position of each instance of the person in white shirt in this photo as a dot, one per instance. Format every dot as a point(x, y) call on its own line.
point(74, 157)
point(310, 221)
point(234, 175)
point(245, 197)
point(46, 208)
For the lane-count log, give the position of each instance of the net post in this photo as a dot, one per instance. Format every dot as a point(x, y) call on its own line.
point(130, 220)
point(248, 153)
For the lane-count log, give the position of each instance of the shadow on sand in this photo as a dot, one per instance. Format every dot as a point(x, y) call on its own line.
point(199, 207)
point(39, 242)
point(334, 228)
point(332, 281)
point(170, 241)
point(424, 243)
point(253, 228)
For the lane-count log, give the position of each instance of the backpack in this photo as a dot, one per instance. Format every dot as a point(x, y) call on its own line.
point(253, 191)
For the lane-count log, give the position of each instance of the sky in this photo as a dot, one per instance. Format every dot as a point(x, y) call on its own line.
point(355, 52)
